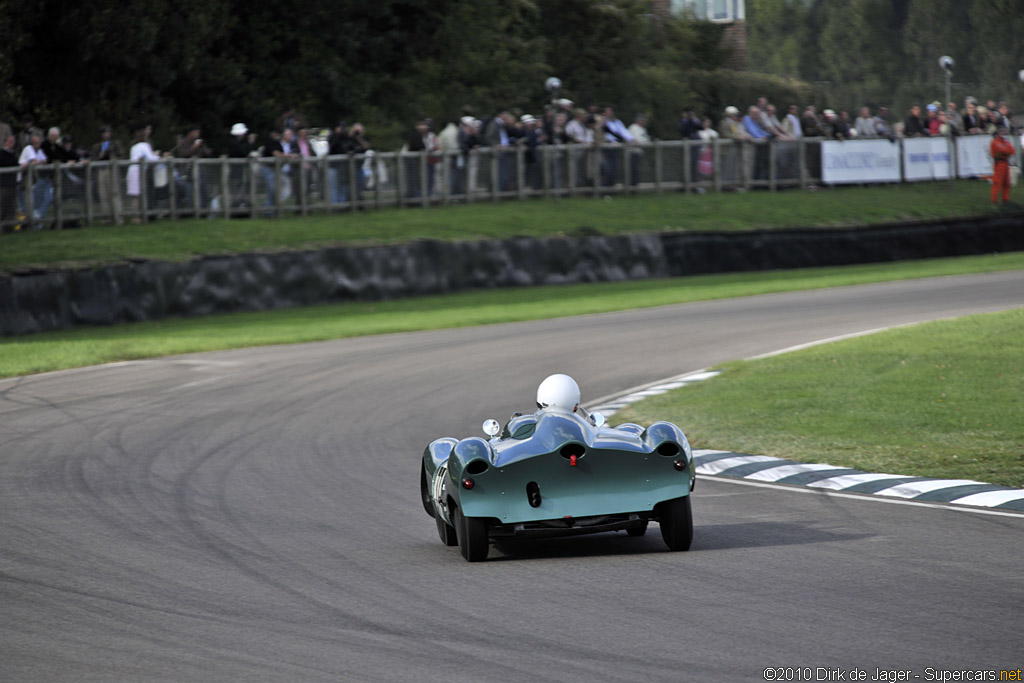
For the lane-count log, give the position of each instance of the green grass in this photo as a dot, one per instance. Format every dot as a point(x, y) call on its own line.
point(943, 399)
point(182, 240)
point(89, 346)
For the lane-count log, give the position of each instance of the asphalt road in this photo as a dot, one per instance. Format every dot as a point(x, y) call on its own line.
point(254, 516)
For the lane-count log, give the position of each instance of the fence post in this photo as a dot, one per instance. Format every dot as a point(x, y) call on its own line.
point(400, 178)
point(425, 188)
point(144, 191)
point(58, 190)
point(687, 179)
point(196, 198)
point(495, 180)
point(277, 187)
point(88, 194)
point(325, 190)
point(520, 173)
point(303, 186)
point(572, 161)
point(354, 199)
point(802, 161)
point(716, 160)
point(771, 164)
point(225, 185)
point(627, 171)
point(658, 162)
point(172, 188)
point(115, 191)
point(445, 178)
point(253, 167)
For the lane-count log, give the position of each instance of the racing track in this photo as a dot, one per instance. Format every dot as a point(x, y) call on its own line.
point(254, 516)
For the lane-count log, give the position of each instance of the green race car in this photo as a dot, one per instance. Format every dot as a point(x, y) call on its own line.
point(558, 472)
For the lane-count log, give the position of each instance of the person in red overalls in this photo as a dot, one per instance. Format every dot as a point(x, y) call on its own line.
point(1001, 151)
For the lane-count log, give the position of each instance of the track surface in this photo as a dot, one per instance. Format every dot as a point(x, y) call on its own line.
point(254, 516)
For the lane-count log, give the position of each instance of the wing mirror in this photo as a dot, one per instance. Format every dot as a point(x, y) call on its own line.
point(597, 419)
point(491, 427)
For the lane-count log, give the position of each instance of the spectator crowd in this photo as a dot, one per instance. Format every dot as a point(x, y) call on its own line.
point(594, 134)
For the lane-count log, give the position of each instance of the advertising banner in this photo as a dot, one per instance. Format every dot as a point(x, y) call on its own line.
point(860, 161)
point(925, 159)
point(973, 158)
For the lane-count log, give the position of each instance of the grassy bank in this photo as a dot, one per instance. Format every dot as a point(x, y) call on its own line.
point(89, 346)
point(942, 399)
point(182, 240)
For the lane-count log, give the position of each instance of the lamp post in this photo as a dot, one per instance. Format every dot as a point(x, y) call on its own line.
point(553, 84)
point(946, 64)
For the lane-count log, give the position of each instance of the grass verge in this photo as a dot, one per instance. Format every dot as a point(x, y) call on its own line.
point(182, 240)
point(941, 399)
point(89, 346)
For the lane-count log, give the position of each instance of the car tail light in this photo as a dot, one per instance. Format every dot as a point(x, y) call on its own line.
point(468, 483)
point(679, 465)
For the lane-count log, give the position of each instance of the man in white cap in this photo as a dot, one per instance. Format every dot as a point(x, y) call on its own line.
point(731, 128)
point(242, 146)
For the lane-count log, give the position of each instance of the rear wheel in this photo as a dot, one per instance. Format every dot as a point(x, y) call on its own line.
point(472, 537)
point(676, 523)
point(445, 531)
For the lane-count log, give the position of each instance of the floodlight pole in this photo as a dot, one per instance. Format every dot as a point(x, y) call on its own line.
point(947, 66)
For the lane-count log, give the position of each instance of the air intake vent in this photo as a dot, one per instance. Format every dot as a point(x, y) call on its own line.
point(668, 449)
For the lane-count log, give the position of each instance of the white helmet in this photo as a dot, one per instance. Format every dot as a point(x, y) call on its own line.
point(559, 392)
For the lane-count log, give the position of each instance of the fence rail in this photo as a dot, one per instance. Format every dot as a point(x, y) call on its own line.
point(115, 192)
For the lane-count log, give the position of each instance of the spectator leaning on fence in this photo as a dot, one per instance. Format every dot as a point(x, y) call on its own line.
point(913, 126)
point(881, 121)
point(809, 122)
point(791, 124)
point(865, 124)
point(242, 146)
point(190, 146)
point(42, 185)
point(107, 149)
point(135, 183)
point(953, 118)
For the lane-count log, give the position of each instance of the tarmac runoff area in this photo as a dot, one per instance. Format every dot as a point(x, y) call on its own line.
point(822, 477)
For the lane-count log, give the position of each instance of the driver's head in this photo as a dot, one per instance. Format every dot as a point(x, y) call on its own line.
point(558, 393)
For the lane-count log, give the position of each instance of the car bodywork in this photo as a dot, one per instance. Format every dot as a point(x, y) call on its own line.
point(557, 474)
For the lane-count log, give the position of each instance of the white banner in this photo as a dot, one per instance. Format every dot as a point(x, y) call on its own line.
point(860, 161)
point(973, 157)
point(925, 158)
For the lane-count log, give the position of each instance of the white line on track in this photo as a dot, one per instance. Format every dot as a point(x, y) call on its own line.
point(796, 488)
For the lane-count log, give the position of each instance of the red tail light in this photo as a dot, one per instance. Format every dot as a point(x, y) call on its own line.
point(468, 483)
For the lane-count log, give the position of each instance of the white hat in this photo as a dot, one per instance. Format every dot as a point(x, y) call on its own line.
point(830, 113)
point(564, 102)
point(239, 129)
point(731, 110)
point(467, 120)
point(526, 118)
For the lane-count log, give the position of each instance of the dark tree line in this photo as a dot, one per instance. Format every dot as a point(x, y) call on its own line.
point(79, 63)
point(874, 52)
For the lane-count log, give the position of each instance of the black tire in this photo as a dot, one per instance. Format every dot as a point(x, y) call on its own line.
point(676, 521)
point(637, 531)
point(446, 532)
point(472, 535)
point(428, 504)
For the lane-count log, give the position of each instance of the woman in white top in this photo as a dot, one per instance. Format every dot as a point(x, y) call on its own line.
point(42, 184)
point(141, 150)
